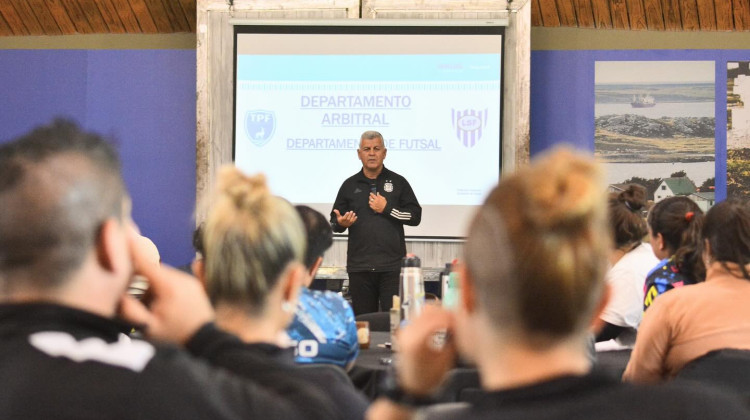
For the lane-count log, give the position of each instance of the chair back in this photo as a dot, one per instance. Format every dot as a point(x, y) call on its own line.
point(726, 369)
point(330, 371)
point(379, 321)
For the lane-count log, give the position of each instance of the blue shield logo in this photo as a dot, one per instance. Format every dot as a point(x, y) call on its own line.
point(259, 126)
point(468, 125)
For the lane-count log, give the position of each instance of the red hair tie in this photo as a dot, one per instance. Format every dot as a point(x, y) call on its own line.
point(689, 216)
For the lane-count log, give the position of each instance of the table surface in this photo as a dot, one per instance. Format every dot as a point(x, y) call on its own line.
point(370, 367)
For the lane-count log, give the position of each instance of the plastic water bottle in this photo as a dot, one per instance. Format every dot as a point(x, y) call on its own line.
point(451, 290)
point(412, 287)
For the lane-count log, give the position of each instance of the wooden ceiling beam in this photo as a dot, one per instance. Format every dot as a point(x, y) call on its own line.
point(619, 12)
point(724, 18)
point(741, 15)
point(57, 9)
point(93, 16)
point(637, 15)
point(127, 17)
point(536, 14)
point(689, 15)
point(159, 15)
point(4, 27)
point(45, 18)
point(12, 18)
point(176, 16)
point(584, 13)
point(706, 15)
point(110, 16)
point(671, 9)
point(77, 16)
point(189, 9)
point(550, 16)
point(654, 15)
point(602, 15)
point(141, 12)
point(27, 16)
point(567, 13)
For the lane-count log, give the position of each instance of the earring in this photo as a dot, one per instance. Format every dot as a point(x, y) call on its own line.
point(287, 307)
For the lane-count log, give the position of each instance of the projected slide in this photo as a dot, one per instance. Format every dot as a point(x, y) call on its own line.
point(299, 118)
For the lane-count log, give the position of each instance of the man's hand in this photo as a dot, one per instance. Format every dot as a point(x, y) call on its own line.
point(346, 220)
point(422, 365)
point(377, 202)
point(179, 307)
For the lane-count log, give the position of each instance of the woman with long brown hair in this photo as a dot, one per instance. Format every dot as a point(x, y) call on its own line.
point(689, 322)
point(674, 227)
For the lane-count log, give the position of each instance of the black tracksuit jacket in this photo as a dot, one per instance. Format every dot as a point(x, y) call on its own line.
point(376, 241)
point(61, 363)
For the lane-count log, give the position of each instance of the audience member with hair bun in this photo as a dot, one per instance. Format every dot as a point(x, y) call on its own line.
point(252, 268)
point(531, 284)
point(631, 260)
point(674, 227)
point(688, 322)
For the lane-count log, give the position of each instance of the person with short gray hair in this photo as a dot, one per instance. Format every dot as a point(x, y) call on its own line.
point(374, 205)
point(68, 250)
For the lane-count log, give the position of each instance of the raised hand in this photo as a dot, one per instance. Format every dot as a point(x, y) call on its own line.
point(179, 306)
point(345, 220)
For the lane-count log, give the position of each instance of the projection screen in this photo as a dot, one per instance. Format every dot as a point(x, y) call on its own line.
point(304, 93)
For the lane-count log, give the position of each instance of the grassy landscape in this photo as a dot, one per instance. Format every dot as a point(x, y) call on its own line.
point(620, 148)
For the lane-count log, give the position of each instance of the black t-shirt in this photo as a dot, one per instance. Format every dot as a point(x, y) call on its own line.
point(597, 396)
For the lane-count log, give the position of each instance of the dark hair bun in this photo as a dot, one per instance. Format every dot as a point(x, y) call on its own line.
point(634, 197)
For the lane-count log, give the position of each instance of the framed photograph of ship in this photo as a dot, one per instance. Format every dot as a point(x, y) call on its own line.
point(655, 125)
point(738, 129)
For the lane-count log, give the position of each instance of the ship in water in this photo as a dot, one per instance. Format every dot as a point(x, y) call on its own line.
point(643, 101)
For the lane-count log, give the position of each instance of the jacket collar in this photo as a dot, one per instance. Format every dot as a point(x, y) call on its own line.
point(31, 317)
point(384, 173)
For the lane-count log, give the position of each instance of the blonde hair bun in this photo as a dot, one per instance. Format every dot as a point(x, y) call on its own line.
point(248, 193)
point(564, 188)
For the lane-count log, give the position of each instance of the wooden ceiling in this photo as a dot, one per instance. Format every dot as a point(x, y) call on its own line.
point(63, 17)
point(657, 15)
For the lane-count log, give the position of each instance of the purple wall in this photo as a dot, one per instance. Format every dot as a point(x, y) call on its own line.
point(562, 96)
point(145, 99)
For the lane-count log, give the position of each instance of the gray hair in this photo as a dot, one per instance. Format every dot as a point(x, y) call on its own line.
point(370, 135)
point(58, 184)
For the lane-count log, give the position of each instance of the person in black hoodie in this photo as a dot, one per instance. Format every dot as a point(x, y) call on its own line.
point(68, 249)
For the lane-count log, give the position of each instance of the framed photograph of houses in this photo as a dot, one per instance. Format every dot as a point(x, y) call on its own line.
point(655, 126)
point(738, 129)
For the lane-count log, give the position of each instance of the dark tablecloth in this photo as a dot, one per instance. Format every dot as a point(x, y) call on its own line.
point(369, 369)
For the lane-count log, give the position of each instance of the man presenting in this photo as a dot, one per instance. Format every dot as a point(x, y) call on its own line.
point(374, 204)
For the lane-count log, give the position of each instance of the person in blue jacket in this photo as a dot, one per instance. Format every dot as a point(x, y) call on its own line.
point(323, 327)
